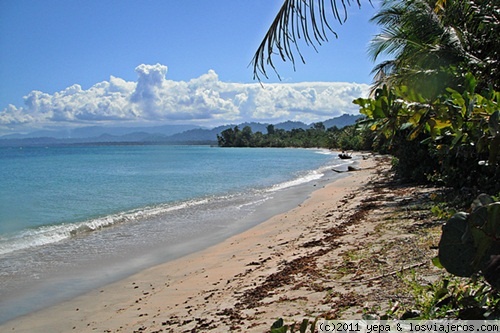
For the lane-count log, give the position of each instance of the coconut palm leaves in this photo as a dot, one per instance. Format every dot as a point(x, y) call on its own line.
point(421, 46)
point(307, 20)
point(435, 42)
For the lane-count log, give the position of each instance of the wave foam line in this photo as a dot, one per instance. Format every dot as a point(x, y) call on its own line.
point(314, 175)
point(46, 235)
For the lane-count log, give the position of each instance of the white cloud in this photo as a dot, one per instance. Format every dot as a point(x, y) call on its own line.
point(204, 100)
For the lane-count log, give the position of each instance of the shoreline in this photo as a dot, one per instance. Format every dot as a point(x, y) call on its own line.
point(235, 284)
point(108, 255)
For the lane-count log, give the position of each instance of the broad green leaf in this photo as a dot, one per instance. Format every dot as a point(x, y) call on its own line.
point(440, 124)
point(471, 83)
point(481, 201)
point(406, 126)
point(278, 323)
point(494, 150)
point(303, 325)
point(494, 218)
point(414, 134)
point(494, 124)
point(482, 242)
point(436, 262)
point(458, 137)
point(457, 252)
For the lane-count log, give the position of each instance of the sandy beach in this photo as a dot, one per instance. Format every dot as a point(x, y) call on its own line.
point(328, 257)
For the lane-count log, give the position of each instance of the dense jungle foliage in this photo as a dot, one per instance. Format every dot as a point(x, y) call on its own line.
point(346, 138)
point(437, 100)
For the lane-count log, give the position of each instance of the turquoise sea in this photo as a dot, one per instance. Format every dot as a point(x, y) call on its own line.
point(73, 218)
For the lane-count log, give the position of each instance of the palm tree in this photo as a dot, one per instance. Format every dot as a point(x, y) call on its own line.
point(426, 37)
point(413, 33)
point(436, 42)
point(477, 27)
point(298, 19)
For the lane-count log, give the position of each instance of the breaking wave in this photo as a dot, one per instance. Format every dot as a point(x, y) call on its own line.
point(50, 234)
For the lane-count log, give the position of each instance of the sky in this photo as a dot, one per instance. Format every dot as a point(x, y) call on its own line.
point(67, 63)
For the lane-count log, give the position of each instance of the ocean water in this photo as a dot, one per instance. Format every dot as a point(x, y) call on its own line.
point(74, 218)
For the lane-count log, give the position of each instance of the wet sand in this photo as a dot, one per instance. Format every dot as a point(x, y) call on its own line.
point(242, 284)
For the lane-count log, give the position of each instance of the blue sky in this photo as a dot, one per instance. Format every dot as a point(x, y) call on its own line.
point(50, 46)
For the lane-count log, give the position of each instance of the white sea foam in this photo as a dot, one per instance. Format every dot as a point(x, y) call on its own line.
point(34, 237)
point(232, 189)
point(325, 152)
point(45, 235)
point(51, 234)
point(254, 203)
point(313, 175)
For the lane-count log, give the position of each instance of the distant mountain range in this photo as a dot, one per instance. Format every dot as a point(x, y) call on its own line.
point(166, 134)
point(96, 131)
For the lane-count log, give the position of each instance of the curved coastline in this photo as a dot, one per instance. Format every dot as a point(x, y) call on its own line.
point(155, 295)
point(41, 294)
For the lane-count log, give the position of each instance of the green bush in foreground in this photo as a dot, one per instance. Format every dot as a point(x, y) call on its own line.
point(447, 298)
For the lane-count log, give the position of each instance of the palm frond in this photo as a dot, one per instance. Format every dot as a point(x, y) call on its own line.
point(307, 20)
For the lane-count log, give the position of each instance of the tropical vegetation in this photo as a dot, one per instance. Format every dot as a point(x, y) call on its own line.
point(434, 104)
point(306, 20)
point(440, 91)
point(435, 101)
point(317, 136)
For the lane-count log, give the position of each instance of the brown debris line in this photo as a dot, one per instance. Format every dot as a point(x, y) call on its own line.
point(336, 256)
point(395, 214)
point(306, 265)
point(302, 271)
point(344, 301)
